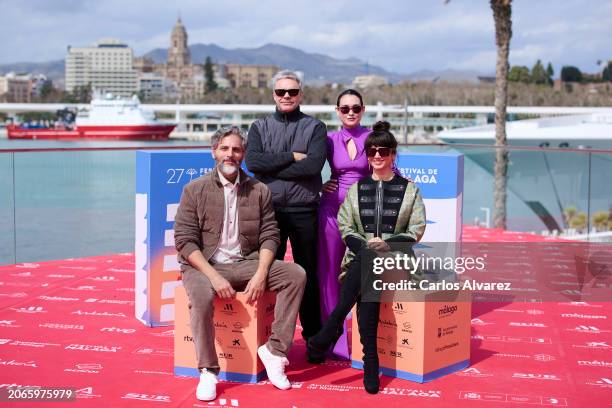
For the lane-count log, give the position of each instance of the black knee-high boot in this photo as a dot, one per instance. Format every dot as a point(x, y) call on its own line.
point(320, 343)
point(368, 326)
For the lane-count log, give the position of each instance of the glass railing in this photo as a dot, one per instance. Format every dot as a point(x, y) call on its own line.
point(65, 203)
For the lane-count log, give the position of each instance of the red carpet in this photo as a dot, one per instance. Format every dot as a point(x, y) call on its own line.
point(70, 323)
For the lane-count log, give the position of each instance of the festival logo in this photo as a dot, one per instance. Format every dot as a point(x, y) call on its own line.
point(90, 347)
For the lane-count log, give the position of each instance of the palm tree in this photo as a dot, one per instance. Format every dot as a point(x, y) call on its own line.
point(502, 16)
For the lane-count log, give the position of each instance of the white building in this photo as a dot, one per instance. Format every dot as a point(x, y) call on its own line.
point(365, 81)
point(153, 86)
point(107, 66)
point(16, 88)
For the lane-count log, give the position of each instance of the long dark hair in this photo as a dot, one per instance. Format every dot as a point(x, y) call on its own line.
point(349, 92)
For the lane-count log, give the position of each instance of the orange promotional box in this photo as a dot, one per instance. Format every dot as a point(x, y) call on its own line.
point(423, 339)
point(239, 330)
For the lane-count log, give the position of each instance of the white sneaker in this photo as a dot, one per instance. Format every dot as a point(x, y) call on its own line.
point(275, 368)
point(207, 387)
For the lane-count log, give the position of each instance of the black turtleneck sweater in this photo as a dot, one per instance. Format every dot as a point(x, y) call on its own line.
point(271, 142)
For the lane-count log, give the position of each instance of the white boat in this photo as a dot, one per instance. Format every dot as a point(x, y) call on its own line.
point(576, 131)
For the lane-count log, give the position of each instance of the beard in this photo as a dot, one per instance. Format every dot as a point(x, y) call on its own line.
point(228, 169)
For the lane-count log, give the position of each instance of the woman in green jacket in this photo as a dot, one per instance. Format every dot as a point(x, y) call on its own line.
point(380, 209)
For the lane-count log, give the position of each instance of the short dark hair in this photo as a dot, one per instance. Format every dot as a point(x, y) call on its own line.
point(381, 136)
point(349, 92)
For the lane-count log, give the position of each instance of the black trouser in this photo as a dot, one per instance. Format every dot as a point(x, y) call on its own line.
point(367, 314)
point(301, 229)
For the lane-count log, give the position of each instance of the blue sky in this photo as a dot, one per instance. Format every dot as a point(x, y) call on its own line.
point(401, 36)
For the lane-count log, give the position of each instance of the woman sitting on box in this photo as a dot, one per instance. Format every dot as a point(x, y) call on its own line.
point(380, 209)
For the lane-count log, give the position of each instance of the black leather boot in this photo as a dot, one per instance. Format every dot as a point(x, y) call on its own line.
point(368, 325)
point(319, 344)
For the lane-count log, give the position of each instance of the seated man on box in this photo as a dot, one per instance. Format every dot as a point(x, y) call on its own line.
point(226, 236)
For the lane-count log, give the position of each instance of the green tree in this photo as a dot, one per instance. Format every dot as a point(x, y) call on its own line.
point(519, 73)
point(209, 75)
point(606, 75)
point(538, 73)
point(550, 72)
point(46, 90)
point(570, 74)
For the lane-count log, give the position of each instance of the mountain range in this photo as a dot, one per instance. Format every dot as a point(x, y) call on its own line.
point(317, 68)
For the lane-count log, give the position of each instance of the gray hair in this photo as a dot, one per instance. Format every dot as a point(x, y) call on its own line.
point(228, 131)
point(285, 73)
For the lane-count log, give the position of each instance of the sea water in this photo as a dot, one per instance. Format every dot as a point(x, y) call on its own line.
point(65, 204)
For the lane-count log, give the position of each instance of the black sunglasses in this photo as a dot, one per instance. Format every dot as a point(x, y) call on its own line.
point(382, 151)
point(282, 92)
point(344, 109)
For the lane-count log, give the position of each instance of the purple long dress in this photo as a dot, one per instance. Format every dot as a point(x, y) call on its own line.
point(330, 246)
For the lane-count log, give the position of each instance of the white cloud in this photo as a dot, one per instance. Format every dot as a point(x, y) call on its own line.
point(400, 36)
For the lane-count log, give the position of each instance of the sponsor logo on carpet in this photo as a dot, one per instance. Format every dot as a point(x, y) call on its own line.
point(90, 347)
point(473, 372)
point(79, 268)
point(525, 324)
point(17, 284)
point(110, 301)
point(148, 350)
point(62, 326)
point(588, 329)
point(594, 345)
point(543, 357)
point(22, 274)
point(34, 344)
point(533, 376)
point(519, 399)
point(595, 363)
point(14, 295)
point(583, 316)
point(86, 393)
point(8, 323)
point(28, 265)
point(57, 298)
point(602, 382)
point(480, 322)
point(29, 309)
point(96, 313)
point(512, 339)
point(85, 368)
point(103, 279)
point(15, 363)
point(168, 333)
point(120, 270)
point(222, 403)
point(387, 390)
point(153, 372)
point(117, 330)
point(147, 397)
point(584, 304)
point(85, 288)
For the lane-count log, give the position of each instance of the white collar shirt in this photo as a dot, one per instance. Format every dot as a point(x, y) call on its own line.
point(229, 250)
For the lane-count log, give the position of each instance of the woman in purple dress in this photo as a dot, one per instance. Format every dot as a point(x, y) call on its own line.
point(349, 164)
